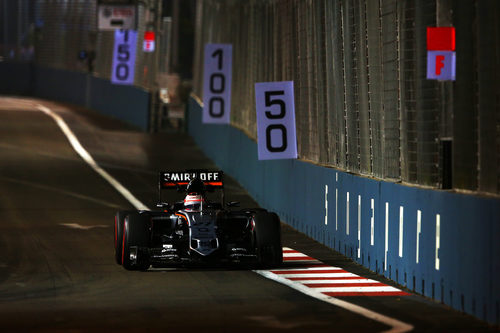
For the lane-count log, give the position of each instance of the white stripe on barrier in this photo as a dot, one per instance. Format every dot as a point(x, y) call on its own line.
point(401, 216)
point(372, 223)
point(336, 201)
point(359, 226)
point(347, 215)
point(419, 230)
point(438, 239)
point(336, 209)
point(386, 234)
point(326, 204)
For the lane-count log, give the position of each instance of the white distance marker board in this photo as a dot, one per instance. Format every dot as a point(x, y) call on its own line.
point(275, 108)
point(217, 78)
point(123, 68)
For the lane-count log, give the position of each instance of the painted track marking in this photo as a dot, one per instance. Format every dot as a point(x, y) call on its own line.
point(89, 160)
point(83, 227)
point(324, 282)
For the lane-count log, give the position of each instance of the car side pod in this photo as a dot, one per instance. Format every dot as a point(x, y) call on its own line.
point(136, 236)
point(267, 233)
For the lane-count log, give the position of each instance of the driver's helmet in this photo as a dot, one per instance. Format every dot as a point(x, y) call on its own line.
point(196, 185)
point(193, 202)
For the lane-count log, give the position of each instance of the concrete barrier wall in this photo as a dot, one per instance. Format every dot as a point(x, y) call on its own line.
point(16, 78)
point(127, 103)
point(440, 244)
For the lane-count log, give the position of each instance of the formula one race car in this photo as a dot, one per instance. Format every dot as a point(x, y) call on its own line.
point(196, 230)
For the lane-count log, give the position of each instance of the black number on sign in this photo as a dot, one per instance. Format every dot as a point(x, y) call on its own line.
point(211, 111)
point(123, 52)
point(222, 83)
point(122, 72)
point(218, 53)
point(269, 145)
point(270, 102)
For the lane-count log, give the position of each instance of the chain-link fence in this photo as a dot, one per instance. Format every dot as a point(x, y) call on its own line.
point(363, 102)
point(66, 28)
point(16, 30)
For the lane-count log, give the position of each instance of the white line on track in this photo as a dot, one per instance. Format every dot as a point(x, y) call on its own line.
point(341, 281)
point(396, 325)
point(83, 227)
point(357, 289)
point(90, 161)
point(313, 275)
point(287, 255)
point(307, 269)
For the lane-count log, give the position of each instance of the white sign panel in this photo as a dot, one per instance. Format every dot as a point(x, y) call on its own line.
point(275, 120)
point(217, 78)
point(148, 46)
point(122, 71)
point(112, 17)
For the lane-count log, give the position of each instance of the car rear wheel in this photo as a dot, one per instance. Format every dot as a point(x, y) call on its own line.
point(267, 233)
point(119, 220)
point(136, 238)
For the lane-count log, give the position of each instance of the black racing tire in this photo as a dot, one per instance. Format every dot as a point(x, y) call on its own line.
point(267, 232)
point(119, 219)
point(136, 234)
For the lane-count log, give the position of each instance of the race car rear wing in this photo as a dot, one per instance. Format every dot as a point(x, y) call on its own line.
point(178, 180)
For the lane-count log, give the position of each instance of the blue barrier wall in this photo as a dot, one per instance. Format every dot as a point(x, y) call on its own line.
point(458, 238)
point(60, 85)
point(128, 103)
point(16, 78)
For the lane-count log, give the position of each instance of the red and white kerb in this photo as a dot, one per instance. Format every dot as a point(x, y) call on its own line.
point(329, 280)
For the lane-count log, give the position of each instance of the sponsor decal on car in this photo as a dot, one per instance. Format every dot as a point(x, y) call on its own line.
point(174, 178)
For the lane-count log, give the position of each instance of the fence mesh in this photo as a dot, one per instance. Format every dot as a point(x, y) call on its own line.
point(17, 30)
point(363, 103)
point(64, 28)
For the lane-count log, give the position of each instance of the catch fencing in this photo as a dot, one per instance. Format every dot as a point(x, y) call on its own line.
point(56, 34)
point(65, 28)
point(363, 103)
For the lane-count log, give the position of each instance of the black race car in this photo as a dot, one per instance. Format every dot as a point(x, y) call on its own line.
point(196, 230)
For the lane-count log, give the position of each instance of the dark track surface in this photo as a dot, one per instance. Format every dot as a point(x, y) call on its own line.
point(56, 278)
